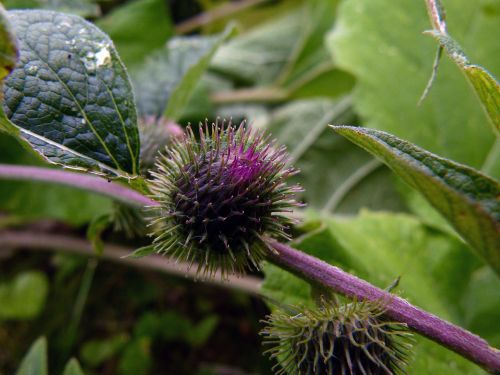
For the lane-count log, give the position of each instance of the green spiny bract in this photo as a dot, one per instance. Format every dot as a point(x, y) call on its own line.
point(333, 339)
point(220, 194)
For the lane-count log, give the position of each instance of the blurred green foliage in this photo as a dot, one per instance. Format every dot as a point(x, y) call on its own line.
point(292, 67)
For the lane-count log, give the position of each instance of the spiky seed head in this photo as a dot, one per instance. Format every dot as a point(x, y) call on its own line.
point(333, 339)
point(155, 134)
point(221, 192)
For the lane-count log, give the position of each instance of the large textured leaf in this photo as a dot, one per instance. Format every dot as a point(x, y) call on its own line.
point(434, 268)
point(381, 43)
point(126, 27)
point(167, 80)
point(24, 296)
point(336, 175)
point(465, 197)
point(35, 362)
point(70, 95)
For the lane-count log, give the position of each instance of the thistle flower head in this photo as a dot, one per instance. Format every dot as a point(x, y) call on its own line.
point(221, 192)
point(335, 339)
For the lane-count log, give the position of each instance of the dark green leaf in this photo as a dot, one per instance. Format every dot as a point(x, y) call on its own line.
point(168, 79)
point(24, 296)
point(70, 95)
point(137, 28)
point(73, 368)
point(35, 362)
point(464, 196)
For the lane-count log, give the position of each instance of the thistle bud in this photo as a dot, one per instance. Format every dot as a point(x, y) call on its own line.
point(333, 339)
point(220, 194)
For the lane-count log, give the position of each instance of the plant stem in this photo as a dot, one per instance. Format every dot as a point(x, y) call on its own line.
point(79, 180)
point(47, 241)
point(448, 335)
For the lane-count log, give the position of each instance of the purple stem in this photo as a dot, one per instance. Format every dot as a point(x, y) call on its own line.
point(450, 336)
point(78, 180)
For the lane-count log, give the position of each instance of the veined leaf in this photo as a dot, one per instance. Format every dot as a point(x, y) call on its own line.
point(168, 78)
point(468, 199)
point(69, 94)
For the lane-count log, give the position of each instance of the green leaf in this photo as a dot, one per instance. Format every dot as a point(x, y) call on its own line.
point(126, 27)
point(336, 175)
point(35, 362)
point(285, 288)
point(142, 252)
point(481, 305)
point(136, 357)
point(95, 352)
point(73, 368)
point(464, 196)
point(24, 296)
point(168, 78)
point(259, 55)
point(70, 95)
point(199, 333)
point(486, 86)
point(381, 43)
point(94, 232)
point(309, 59)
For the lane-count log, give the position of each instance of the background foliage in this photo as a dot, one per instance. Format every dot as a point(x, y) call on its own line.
point(291, 67)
